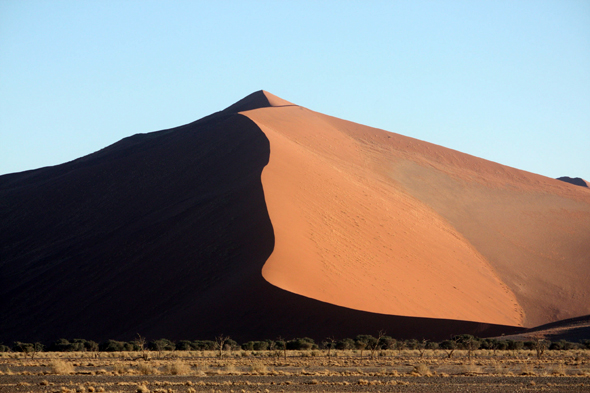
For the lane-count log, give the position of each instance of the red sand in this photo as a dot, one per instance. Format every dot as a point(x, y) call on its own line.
point(380, 222)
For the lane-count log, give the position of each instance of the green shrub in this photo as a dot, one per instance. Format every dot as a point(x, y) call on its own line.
point(301, 344)
point(113, 346)
point(162, 344)
point(185, 345)
point(515, 345)
point(204, 345)
point(431, 345)
point(345, 344)
point(387, 342)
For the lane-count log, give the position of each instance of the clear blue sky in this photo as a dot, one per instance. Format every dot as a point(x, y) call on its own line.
point(508, 81)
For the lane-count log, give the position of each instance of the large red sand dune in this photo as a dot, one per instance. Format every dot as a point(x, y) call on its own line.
point(380, 222)
point(269, 219)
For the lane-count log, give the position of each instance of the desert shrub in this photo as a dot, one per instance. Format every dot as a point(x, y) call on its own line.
point(365, 339)
point(530, 345)
point(178, 368)
point(387, 342)
point(563, 345)
point(185, 345)
point(204, 345)
point(76, 345)
point(259, 368)
point(61, 345)
point(18, 346)
point(116, 346)
point(502, 345)
point(162, 344)
point(301, 344)
point(489, 343)
point(4, 348)
point(280, 345)
point(448, 345)
point(60, 367)
point(345, 344)
point(586, 344)
point(431, 345)
point(84, 345)
point(467, 341)
point(412, 344)
point(147, 369)
point(421, 369)
point(255, 346)
point(556, 345)
point(248, 346)
point(260, 345)
point(120, 368)
point(515, 345)
point(231, 345)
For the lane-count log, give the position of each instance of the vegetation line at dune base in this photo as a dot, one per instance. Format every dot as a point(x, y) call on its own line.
point(362, 344)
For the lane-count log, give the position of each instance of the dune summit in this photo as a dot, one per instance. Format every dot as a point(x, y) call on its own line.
point(268, 219)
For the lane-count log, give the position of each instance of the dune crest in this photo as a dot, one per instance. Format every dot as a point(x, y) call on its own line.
point(258, 99)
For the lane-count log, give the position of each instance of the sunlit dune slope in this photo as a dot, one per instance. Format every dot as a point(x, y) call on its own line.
point(380, 222)
point(346, 237)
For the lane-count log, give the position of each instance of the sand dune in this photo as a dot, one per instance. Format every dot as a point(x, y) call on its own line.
point(380, 222)
point(269, 219)
point(573, 330)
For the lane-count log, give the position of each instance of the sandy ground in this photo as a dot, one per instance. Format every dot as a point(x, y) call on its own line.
point(295, 384)
point(394, 372)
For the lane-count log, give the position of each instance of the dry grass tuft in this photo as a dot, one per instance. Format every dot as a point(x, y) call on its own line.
point(258, 368)
point(119, 368)
point(558, 370)
point(421, 369)
point(230, 369)
point(178, 368)
point(142, 389)
point(470, 369)
point(527, 369)
point(61, 367)
point(147, 369)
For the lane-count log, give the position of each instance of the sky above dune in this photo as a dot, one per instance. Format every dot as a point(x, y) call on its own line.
point(508, 81)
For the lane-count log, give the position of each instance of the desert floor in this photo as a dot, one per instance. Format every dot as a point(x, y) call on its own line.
point(305, 371)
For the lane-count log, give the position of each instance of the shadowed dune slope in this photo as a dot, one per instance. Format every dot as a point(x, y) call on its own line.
point(380, 222)
point(573, 330)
